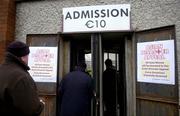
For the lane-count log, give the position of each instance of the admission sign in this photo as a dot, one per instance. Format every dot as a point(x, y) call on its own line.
point(156, 62)
point(43, 64)
point(96, 18)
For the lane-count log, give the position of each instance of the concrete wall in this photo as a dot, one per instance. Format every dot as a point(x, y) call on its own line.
point(44, 17)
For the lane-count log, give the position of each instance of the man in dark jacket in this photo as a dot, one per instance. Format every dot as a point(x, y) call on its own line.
point(109, 89)
point(76, 92)
point(18, 93)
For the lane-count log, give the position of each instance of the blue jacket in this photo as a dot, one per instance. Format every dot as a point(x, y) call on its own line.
point(75, 92)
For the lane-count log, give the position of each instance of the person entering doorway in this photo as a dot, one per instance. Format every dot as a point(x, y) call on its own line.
point(109, 89)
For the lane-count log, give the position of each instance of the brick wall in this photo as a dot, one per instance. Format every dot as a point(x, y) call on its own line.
point(7, 24)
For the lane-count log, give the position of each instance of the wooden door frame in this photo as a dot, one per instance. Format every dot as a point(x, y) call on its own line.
point(130, 76)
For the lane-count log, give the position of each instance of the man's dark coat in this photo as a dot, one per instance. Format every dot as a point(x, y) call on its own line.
point(109, 91)
point(18, 95)
point(75, 94)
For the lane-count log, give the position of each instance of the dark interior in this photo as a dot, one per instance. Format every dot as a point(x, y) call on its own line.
point(112, 43)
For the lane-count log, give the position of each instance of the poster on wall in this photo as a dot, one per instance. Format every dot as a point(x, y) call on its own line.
point(156, 62)
point(43, 64)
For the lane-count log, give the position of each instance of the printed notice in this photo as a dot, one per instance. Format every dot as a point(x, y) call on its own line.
point(156, 62)
point(43, 64)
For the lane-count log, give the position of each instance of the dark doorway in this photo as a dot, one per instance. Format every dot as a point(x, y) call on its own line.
point(113, 48)
point(80, 51)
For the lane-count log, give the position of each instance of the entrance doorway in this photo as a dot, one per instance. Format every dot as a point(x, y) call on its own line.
point(114, 92)
point(112, 47)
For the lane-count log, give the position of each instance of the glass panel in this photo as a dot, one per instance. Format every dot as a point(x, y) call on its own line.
point(88, 61)
point(115, 59)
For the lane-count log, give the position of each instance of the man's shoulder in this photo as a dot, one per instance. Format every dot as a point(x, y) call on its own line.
point(111, 69)
point(77, 74)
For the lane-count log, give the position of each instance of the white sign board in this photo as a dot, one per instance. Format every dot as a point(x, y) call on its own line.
point(96, 18)
point(43, 64)
point(156, 62)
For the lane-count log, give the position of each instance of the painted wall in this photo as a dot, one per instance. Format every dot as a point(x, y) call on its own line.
point(43, 17)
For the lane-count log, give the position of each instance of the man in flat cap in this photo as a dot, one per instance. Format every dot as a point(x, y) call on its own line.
point(18, 92)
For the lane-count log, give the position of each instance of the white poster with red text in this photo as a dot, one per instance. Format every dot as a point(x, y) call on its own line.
point(43, 64)
point(156, 62)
